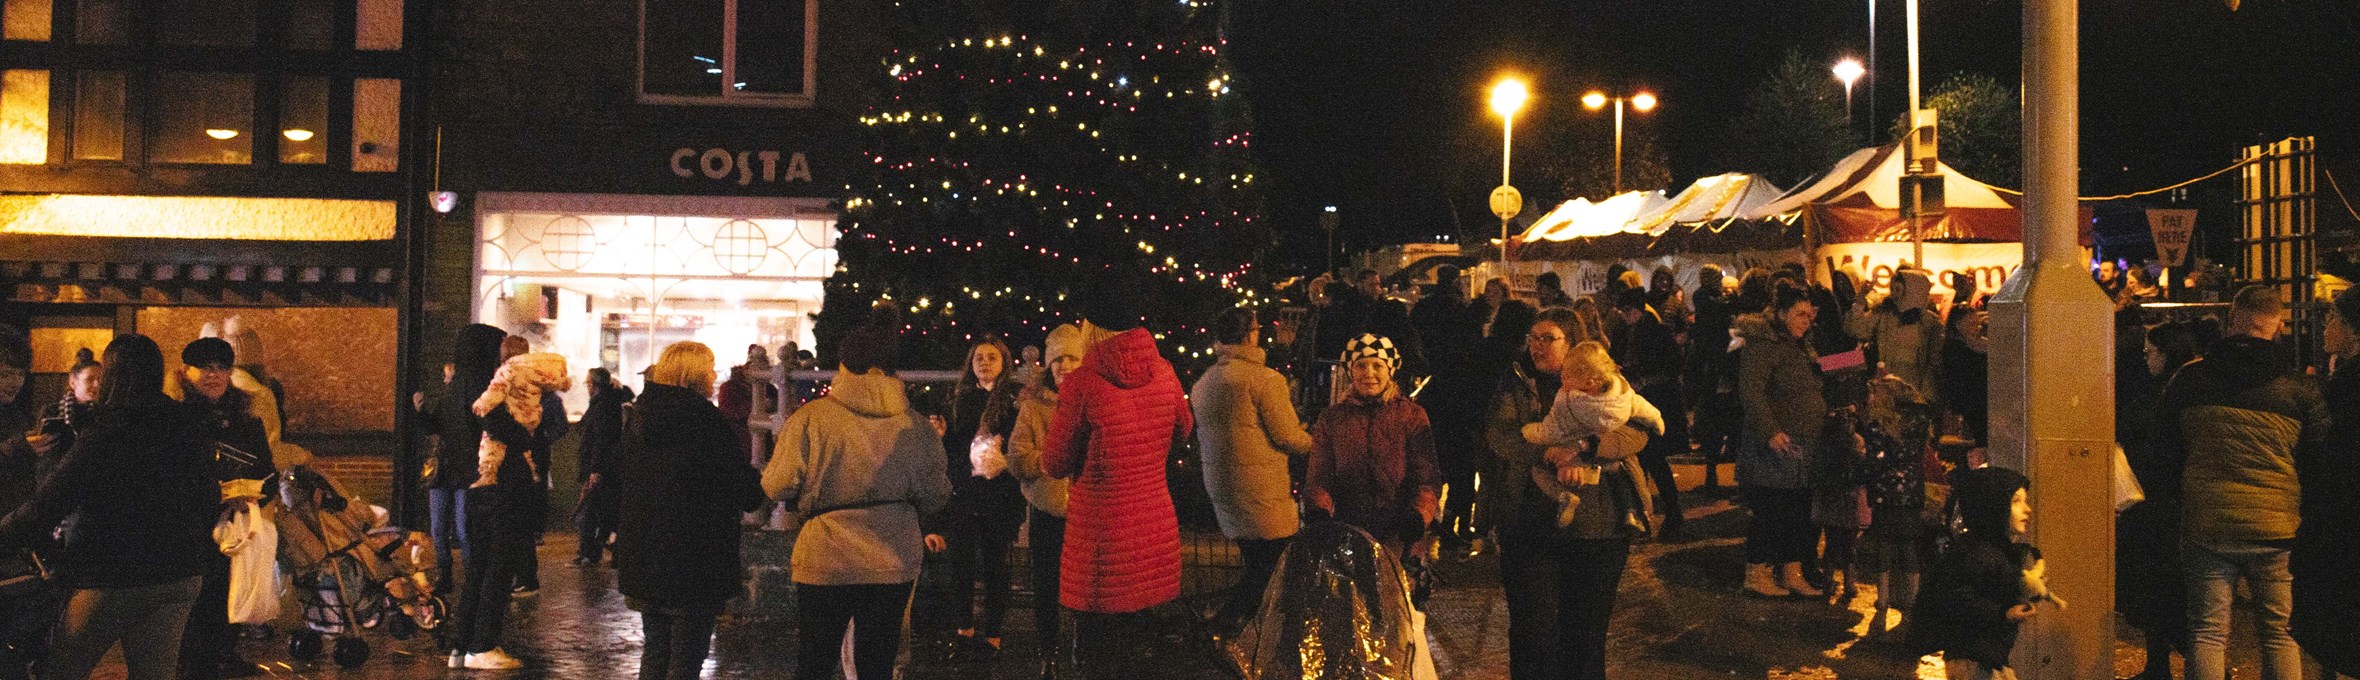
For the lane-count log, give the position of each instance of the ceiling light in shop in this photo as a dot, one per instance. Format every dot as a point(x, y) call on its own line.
point(297, 134)
point(221, 133)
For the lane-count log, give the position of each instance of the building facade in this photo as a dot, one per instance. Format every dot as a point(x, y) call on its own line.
point(169, 165)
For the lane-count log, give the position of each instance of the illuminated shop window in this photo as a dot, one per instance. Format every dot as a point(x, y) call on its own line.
point(303, 120)
point(203, 118)
point(24, 117)
point(98, 116)
point(25, 20)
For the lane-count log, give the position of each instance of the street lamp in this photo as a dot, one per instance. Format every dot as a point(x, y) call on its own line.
point(1642, 102)
point(1507, 97)
point(1849, 70)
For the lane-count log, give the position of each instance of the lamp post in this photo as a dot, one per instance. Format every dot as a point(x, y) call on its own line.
point(1848, 70)
point(1642, 102)
point(1507, 97)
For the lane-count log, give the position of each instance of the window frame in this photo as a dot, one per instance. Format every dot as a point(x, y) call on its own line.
point(728, 97)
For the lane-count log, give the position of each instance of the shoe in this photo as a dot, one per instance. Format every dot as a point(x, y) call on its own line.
point(1760, 583)
point(585, 561)
point(526, 590)
point(1790, 577)
point(458, 659)
point(494, 660)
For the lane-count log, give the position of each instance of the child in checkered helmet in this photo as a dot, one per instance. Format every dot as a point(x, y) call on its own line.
point(1593, 400)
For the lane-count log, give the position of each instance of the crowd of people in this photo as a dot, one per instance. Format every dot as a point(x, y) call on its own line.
point(1544, 429)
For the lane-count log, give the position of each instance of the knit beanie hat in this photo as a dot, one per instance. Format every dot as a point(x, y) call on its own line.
point(1065, 341)
point(1113, 303)
point(208, 352)
point(869, 347)
point(1372, 345)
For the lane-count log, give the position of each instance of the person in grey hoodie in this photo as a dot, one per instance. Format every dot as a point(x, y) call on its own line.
point(860, 468)
point(1246, 429)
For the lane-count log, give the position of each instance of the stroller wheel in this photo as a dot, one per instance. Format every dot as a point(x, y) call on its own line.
point(400, 626)
point(351, 652)
point(304, 644)
point(430, 613)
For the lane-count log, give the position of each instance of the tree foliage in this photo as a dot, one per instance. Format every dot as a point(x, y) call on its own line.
point(1793, 125)
point(1981, 128)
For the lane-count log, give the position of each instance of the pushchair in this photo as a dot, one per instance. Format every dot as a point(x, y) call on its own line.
point(351, 571)
point(1337, 607)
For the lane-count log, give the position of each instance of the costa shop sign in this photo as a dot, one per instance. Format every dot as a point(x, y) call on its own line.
point(742, 167)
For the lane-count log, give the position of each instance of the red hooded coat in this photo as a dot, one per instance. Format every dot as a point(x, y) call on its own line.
point(1116, 419)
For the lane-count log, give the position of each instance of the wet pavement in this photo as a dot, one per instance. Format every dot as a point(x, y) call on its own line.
point(1679, 616)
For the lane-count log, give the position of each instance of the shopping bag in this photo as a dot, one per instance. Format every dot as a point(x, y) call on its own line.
point(984, 456)
point(2127, 491)
point(252, 544)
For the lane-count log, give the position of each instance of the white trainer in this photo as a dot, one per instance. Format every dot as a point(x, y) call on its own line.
point(494, 660)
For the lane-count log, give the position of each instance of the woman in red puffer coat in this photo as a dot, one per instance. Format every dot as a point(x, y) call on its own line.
point(1116, 419)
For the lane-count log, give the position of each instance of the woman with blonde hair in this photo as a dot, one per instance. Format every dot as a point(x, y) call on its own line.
point(684, 483)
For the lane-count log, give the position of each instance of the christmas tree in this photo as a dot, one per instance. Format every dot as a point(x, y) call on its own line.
point(1021, 152)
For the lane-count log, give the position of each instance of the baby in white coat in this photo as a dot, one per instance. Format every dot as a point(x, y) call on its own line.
point(1593, 400)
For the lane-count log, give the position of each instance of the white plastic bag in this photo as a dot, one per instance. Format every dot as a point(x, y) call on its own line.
point(252, 544)
point(2127, 491)
point(984, 457)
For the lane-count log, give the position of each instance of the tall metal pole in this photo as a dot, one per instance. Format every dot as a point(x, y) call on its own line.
point(1507, 142)
point(1912, 15)
point(2052, 364)
point(1618, 106)
point(1873, 67)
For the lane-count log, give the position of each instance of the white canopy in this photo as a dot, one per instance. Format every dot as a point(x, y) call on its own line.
point(1579, 218)
point(1871, 178)
point(1710, 199)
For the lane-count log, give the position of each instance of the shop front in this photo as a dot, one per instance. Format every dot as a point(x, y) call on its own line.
point(609, 280)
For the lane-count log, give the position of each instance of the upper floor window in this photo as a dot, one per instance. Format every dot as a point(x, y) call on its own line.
point(736, 52)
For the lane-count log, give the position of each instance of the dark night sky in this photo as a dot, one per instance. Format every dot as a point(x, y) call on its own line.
point(1377, 105)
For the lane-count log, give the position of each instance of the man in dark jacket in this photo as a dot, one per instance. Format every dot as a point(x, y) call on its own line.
point(1450, 330)
point(475, 355)
point(2243, 410)
point(1649, 353)
point(602, 429)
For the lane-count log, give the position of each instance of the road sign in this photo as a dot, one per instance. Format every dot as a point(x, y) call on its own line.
point(1506, 202)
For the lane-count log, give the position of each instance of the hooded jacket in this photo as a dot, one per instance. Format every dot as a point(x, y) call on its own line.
point(1905, 335)
point(2326, 586)
point(475, 355)
point(860, 468)
point(2243, 412)
point(684, 482)
point(1246, 429)
point(1035, 406)
point(1974, 583)
point(1116, 418)
point(1778, 384)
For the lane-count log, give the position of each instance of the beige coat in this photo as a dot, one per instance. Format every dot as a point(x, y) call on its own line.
point(860, 468)
point(1246, 427)
point(1033, 411)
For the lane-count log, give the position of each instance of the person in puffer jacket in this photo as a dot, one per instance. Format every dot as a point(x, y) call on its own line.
point(1045, 496)
point(860, 467)
point(2243, 411)
point(1372, 457)
point(1115, 423)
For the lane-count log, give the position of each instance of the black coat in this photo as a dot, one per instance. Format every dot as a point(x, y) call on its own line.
point(1964, 611)
point(2326, 584)
point(998, 501)
point(602, 428)
point(685, 479)
point(137, 495)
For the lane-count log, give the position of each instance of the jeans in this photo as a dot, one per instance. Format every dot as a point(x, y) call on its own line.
point(447, 525)
point(2212, 572)
point(1260, 558)
point(500, 535)
point(677, 643)
point(1560, 596)
point(874, 613)
point(1781, 530)
point(1047, 551)
point(148, 620)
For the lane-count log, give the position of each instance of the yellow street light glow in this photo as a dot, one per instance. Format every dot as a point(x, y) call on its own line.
point(1849, 70)
point(1594, 100)
point(1644, 101)
point(221, 133)
point(297, 134)
point(1509, 96)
